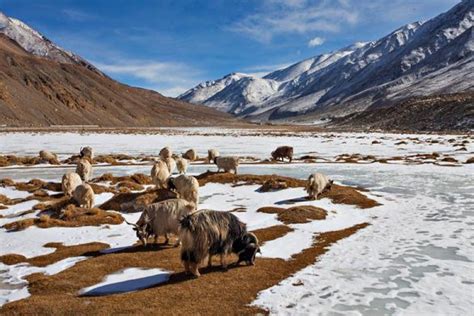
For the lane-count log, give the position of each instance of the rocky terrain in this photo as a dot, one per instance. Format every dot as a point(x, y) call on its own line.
point(42, 85)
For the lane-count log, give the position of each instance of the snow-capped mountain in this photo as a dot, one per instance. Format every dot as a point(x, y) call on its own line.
point(37, 44)
point(433, 57)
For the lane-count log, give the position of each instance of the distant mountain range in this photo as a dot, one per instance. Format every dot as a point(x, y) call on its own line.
point(419, 59)
point(41, 84)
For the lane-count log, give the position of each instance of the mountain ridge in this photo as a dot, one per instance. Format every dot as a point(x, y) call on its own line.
point(363, 74)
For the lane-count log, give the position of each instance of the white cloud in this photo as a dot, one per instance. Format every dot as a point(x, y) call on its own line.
point(316, 41)
point(168, 78)
point(278, 17)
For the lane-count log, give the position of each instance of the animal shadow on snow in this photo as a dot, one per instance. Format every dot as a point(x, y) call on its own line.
point(292, 201)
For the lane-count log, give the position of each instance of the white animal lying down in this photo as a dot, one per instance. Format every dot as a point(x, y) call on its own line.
point(161, 218)
point(317, 184)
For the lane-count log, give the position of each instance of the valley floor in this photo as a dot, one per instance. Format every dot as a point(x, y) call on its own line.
point(396, 238)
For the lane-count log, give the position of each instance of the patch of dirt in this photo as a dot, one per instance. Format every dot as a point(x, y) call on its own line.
point(70, 216)
point(215, 293)
point(470, 160)
point(130, 202)
point(296, 215)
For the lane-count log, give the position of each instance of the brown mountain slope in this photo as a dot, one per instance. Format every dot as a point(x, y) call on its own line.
point(434, 113)
point(38, 92)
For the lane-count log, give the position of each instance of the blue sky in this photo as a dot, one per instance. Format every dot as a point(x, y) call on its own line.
point(171, 45)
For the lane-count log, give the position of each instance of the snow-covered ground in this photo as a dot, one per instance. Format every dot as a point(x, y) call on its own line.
point(255, 143)
point(415, 258)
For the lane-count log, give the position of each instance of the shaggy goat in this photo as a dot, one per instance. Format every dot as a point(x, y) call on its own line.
point(227, 164)
point(317, 184)
point(283, 152)
point(87, 152)
point(187, 188)
point(165, 152)
point(182, 165)
point(48, 156)
point(206, 233)
point(69, 183)
point(84, 169)
point(84, 195)
point(212, 154)
point(161, 218)
point(160, 174)
point(171, 163)
point(190, 155)
point(246, 248)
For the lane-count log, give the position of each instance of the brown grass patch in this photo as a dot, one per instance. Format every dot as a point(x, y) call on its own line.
point(130, 185)
point(296, 214)
point(346, 195)
point(224, 177)
point(71, 216)
point(272, 185)
point(138, 178)
point(214, 293)
point(62, 252)
point(130, 202)
point(470, 160)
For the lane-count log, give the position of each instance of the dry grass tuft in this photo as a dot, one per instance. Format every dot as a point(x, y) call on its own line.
point(297, 214)
point(219, 177)
point(70, 216)
point(130, 202)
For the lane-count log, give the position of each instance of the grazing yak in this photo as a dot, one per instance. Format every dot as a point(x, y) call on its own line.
point(161, 218)
point(206, 233)
point(283, 152)
point(317, 184)
point(227, 164)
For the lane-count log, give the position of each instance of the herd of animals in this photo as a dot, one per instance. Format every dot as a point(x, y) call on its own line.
point(201, 234)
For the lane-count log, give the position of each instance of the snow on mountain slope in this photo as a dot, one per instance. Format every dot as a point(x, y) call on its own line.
point(236, 97)
point(37, 44)
point(416, 59)
point(206, 90)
